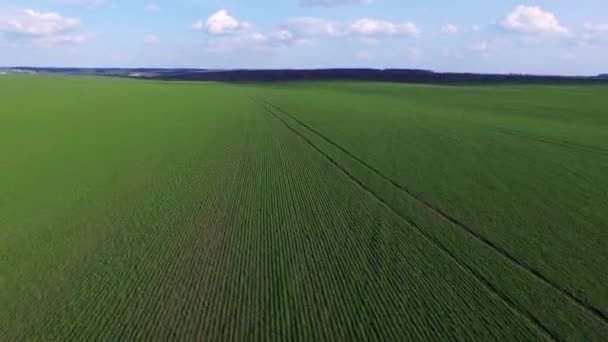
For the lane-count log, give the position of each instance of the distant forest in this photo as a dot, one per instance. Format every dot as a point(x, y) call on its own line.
point(382, 75)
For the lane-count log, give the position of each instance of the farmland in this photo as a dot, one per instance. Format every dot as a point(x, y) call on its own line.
point(150, 210)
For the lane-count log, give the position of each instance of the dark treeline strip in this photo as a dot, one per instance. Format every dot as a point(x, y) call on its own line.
point(346, 74)
point(387, 75)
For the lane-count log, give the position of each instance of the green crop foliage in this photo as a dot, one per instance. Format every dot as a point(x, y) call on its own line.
point(147, 210)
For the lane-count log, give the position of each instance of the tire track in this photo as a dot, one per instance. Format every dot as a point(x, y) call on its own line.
point(526, 315)
point(581, 303)
point(354, 253)
point(555, 142)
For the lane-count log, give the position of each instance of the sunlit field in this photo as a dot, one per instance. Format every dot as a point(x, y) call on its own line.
point(149, 210)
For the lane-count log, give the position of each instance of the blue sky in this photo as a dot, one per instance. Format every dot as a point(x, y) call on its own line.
point(543, 37)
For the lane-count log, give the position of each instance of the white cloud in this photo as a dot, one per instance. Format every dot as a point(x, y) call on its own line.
point(151, 39)
point(221, 22)
point(32, 23)
point(372, 27)
point(40, 28)
point(533, 20)
point(475, 28)
point(283, 35)
point(332, 3)
point(152, 8)
point(197, 26)
point(84, 3)
point(248, 40)
point(229, 34)
point(450, 29)
point(365, 27)
point(310, 27)
point(257, 37)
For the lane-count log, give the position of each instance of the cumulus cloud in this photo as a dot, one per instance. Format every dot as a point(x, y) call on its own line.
point(283, 35)
point(533, 20)
point(365, 27)
point(450, 29)
point(372, 27)
point(32, 23)
point(197, 26)
point(228, 33)
point(249, 40)
point(310, 27)
point(84, 3)
point(221, 22)
point(41, 28)
point(332, 3)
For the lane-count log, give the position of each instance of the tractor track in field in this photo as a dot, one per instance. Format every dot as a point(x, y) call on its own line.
point(555, 142)
point(493, 290)
point(571, 297)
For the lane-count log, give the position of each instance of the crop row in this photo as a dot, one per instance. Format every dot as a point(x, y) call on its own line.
point(534, 297)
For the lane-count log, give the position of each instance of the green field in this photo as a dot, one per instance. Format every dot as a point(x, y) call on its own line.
point(148, 210)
